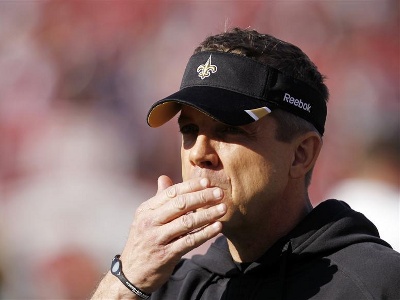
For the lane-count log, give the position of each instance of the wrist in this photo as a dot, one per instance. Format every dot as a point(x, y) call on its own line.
point(112, 288)
point(116, 270)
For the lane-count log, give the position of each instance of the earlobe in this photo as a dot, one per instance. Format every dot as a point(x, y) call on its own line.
point(306, 151)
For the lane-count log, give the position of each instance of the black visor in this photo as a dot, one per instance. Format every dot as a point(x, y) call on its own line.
point(238, 90)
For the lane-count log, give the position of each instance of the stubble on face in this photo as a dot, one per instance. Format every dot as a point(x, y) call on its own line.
point(249, 164)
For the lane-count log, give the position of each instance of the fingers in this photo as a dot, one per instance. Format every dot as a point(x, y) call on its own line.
point(177, 219)
point(186, 187)
point(188, 202)
point(163, 183)
point(192, 240)
point(192, 223)
point(167, 191)
point(180, 209)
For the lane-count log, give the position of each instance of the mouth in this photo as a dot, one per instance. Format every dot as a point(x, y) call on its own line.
point(216, 179)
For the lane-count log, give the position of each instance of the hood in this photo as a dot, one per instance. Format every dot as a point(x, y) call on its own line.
point(329, 227)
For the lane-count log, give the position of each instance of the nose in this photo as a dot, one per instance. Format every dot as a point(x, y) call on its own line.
point(203, 153)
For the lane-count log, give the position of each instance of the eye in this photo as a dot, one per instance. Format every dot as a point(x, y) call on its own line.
point(232, 130)
point(188, 129)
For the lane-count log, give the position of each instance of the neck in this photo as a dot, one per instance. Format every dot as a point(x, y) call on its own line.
point(250, 243)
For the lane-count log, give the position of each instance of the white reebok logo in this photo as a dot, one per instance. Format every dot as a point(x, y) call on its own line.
point(297, 102)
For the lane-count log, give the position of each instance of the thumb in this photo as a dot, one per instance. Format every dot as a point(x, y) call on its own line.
point(163, 182)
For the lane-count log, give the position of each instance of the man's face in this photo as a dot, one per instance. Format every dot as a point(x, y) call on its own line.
point(247, 162)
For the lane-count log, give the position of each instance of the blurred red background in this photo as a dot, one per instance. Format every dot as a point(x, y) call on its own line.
point(77, 79)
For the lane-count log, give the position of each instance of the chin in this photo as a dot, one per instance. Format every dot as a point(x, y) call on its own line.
point(232, 221)
point(226, 221)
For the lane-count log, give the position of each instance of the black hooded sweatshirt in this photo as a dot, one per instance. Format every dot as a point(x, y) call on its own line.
point(334, 253)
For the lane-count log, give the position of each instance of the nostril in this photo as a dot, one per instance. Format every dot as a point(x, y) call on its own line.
point(207, 163)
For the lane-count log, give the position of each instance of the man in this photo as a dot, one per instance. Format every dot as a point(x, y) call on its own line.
point(252, 114)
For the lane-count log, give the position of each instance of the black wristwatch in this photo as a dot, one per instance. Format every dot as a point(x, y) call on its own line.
point(116, 270)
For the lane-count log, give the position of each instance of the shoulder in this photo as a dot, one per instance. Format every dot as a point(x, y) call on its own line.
point(375, 256)
point(373, 268)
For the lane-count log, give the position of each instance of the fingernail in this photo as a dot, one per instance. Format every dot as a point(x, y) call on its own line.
point(204, 182)
point(221, 207)
point(217, 193)
point(217, 225)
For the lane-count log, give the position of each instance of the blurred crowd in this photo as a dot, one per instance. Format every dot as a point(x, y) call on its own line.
point(76, 154)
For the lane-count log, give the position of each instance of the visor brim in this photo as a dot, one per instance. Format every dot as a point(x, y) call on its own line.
point(225, 106)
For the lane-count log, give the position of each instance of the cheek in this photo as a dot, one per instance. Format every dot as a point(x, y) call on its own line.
point(254, 176)
point(250, 177)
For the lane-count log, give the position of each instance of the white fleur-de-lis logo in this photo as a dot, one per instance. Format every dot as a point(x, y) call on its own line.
point(206, 69)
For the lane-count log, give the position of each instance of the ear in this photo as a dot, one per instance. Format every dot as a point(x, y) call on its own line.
point(306, 151)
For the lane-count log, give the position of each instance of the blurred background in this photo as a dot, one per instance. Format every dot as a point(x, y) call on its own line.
point(76, 154)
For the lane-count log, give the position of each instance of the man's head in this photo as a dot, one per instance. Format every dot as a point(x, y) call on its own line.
point(253, 111)
point(240, 76)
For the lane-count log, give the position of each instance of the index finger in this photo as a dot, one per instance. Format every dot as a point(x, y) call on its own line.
point(189, 186)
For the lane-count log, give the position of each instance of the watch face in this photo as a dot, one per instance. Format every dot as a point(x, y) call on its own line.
point(116, 267)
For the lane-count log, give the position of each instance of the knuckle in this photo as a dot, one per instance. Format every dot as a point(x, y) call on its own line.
point(189, 240)
point(187, 221)
point(207, 215)
point(203, 197)
point(145, 223)
point(204, 234)
point(162, 253)
point(171, 191)
point(179, 202)
point(142, 207)
point(190, 186)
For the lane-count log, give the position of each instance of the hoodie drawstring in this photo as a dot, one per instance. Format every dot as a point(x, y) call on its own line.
point(286, 251)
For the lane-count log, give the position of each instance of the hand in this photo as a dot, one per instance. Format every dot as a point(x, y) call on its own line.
point(176, 220)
